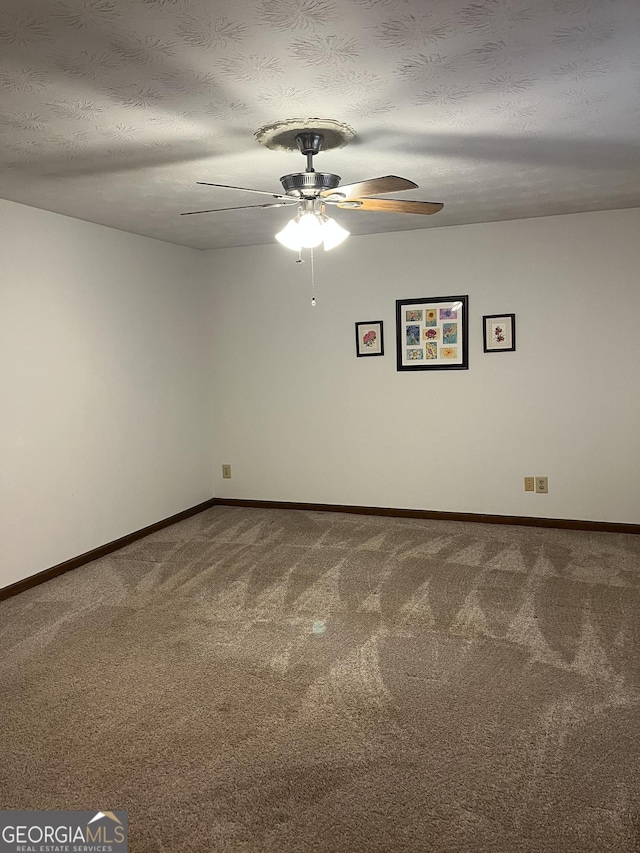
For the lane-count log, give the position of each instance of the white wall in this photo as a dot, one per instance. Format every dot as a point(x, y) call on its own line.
point(104, 411)
point(300, 418)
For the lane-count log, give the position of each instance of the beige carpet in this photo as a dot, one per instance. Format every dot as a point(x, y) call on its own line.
point(266, 680)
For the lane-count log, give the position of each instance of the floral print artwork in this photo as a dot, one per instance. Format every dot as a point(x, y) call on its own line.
point(369, 338)
point(449, 333)
point(497, 334)
point(413, 335)
point(432, 331)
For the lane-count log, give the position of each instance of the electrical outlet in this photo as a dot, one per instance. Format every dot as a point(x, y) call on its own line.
point(226, 472)
point(542, 485)
point(529, 484)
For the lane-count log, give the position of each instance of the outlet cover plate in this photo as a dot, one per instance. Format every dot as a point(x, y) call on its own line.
point(542, 485)
point(226, 472)
point(529, 484)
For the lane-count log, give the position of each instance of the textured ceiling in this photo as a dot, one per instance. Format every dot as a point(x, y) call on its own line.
point(111, 110)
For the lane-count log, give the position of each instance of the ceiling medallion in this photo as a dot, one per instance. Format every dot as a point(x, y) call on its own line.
point(281, 135)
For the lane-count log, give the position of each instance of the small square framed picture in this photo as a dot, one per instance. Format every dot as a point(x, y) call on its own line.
point(369, 338)
point(499, 332)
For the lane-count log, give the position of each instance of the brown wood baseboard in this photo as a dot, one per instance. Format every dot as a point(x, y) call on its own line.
point(102, 551)
point(524, 520)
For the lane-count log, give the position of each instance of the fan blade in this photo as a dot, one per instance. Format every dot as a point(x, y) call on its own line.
point(244, 189)
point(388, 184)
point(243, 207)
point(393, 205)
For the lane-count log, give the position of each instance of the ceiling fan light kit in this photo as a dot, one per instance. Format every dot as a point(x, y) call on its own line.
point(311, 191)
point(310, 229)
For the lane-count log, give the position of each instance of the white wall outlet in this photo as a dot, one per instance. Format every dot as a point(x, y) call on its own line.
point(529, 484)
point(226, 472)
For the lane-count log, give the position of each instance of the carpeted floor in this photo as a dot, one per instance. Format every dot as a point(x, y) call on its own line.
point(273, 680)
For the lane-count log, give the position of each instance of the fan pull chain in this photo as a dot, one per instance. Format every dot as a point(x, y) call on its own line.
point(300, 260)
point(313, 283)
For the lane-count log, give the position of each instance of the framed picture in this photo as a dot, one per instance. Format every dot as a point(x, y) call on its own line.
point(369, 339)
point(499, 332)
point(432, 334)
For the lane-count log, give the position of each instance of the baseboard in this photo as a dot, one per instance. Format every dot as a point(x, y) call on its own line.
point(524, 520)
point(102, 551)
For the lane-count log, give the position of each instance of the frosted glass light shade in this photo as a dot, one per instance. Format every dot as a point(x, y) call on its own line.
point(333, 234)
point(289, 236)
point(310, 230)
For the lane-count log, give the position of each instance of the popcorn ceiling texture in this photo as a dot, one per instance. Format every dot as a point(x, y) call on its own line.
point(272, 680)
point(501, 109)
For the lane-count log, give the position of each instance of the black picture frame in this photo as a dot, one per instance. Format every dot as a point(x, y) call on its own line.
point(367, 346)
point(496, 326)
point(432, 333)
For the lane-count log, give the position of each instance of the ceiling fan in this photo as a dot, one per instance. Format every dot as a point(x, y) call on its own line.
point(311, 192)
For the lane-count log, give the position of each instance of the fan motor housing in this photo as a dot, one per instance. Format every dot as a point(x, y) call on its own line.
point(311, 184)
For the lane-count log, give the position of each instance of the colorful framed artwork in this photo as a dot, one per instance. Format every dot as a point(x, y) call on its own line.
point(432, 334)
point(369, 338)
point(499, 332)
